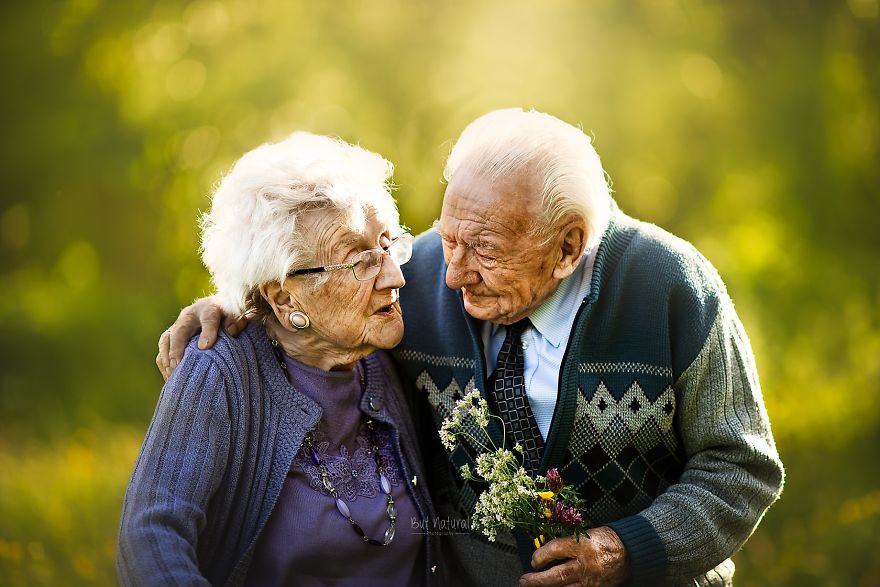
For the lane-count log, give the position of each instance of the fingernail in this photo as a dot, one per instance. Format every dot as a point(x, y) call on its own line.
point(202, 344)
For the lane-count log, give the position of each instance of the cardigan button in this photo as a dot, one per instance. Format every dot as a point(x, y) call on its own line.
point(375, 404)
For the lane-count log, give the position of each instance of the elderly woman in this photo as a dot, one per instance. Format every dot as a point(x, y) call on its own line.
point(287, 455)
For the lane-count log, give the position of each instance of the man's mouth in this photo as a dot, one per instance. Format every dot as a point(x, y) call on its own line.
point(472, 294)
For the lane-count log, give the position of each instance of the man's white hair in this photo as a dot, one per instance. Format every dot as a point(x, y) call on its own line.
point(253, 233)
point(568, 169)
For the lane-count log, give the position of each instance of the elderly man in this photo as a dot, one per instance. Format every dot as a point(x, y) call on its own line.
point(610, 347)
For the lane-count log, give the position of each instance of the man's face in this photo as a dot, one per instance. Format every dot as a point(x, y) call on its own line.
point(484, 225)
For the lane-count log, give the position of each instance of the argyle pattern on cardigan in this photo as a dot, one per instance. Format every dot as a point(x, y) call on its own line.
point(623, 450)
point(442, 401)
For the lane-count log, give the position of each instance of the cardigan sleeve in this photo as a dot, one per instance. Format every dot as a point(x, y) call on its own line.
point(180, 465)
point(732, 472)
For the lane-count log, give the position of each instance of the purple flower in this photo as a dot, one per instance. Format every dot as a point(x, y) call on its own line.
point(567, 514)
point(554, 481)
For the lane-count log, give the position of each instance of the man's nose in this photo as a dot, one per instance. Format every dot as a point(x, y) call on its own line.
point(459, 273)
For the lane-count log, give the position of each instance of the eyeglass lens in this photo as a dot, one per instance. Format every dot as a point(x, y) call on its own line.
point(368, 263)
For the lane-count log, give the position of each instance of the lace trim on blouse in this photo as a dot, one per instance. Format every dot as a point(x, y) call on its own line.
point(354, 474)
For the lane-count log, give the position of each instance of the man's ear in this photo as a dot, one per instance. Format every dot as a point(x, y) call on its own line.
point(572, 241)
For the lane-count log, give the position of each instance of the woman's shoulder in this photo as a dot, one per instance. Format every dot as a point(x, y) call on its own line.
point(228, 355)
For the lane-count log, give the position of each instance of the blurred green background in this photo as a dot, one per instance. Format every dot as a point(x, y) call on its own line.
point(750, 128)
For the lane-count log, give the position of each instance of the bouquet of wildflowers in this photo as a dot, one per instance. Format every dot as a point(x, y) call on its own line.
point(542, 507)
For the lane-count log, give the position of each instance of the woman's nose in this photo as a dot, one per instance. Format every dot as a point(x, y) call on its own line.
point(390, 275)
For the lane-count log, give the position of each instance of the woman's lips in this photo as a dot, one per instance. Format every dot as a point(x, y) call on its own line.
point(385, 310)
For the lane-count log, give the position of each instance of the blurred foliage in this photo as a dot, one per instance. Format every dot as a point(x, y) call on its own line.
point(749, 128)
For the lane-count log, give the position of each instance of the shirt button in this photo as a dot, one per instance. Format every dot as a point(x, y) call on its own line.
point(525, 344)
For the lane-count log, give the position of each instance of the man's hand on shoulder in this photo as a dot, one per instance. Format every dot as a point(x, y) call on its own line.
point(597, 561)
point(203, 314)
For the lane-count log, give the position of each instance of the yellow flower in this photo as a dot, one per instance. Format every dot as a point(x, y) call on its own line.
point(547, 513)
point(548, 495)
point(539, 541)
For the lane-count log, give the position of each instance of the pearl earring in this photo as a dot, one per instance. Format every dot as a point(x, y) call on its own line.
point(299, 320)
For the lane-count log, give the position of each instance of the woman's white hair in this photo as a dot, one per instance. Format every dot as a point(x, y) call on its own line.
point(253, 232)
point(568, 169)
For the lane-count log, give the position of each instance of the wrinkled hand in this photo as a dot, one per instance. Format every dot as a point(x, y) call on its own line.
point(597, 561)
point(203, 314)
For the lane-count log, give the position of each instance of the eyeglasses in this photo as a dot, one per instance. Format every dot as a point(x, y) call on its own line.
point(367, 265)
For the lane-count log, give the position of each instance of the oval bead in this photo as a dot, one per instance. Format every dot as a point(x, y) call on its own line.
point(386, 485)
point(343, 508)
point(389, 534)
point(392, 511)
point(359, 530)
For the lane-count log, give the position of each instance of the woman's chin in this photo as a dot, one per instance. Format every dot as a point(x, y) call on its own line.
point(388, 334)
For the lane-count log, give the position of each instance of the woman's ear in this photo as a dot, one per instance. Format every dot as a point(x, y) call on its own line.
point(280, 299)
point(572, 241)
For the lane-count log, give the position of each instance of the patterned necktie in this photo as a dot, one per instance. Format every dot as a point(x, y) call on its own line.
point(510, 396)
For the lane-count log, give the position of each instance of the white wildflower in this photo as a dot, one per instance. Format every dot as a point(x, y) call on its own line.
point(447, 435)
point(511, 497)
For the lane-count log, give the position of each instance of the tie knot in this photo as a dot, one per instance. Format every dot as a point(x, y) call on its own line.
point(517, 327)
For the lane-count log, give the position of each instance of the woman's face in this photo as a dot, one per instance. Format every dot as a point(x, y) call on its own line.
point(350, 316)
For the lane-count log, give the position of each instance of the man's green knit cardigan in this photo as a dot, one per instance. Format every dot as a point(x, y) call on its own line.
point(659, 421)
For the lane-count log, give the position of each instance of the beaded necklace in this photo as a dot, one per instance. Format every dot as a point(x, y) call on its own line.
point(341, 506)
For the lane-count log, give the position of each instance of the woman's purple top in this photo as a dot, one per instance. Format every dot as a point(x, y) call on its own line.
point(306, 540)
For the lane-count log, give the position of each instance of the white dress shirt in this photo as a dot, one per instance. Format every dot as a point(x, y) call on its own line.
point(545, 341)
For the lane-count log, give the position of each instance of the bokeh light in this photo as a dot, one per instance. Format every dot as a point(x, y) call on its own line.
point(748, 128)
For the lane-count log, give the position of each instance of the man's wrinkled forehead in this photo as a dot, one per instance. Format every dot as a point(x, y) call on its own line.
point(481, 205)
